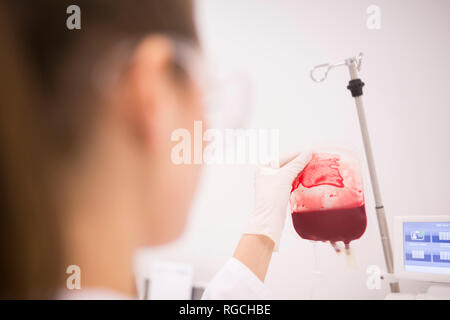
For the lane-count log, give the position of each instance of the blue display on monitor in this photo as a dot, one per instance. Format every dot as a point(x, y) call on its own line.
point(426, 247)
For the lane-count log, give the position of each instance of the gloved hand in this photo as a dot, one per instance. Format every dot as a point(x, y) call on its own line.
point(272, 191)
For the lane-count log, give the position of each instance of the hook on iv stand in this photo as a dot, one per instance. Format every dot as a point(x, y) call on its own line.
point(327, 66)
point(356, 88)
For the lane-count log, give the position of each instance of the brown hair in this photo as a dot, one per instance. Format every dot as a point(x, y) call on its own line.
point(47, 111)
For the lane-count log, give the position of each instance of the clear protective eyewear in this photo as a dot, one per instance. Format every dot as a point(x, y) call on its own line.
point(227, 100)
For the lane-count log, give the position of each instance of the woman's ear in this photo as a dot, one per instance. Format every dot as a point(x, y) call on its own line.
point(149, 89)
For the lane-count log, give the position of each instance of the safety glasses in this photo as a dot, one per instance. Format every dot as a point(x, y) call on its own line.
point(227, 99)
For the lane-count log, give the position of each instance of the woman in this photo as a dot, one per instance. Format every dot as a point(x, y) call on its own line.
point(86, 175)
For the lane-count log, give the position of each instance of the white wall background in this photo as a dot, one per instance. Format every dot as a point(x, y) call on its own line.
point(406, 71)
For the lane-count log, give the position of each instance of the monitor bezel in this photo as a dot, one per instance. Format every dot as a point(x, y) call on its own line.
point(399, 266)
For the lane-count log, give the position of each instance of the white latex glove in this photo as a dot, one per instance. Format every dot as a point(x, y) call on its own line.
point(272, 192)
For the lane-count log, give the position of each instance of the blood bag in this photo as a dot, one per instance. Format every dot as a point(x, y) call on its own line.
point(327, 199)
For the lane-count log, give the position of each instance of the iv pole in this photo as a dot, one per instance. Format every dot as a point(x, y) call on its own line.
point(356, 88)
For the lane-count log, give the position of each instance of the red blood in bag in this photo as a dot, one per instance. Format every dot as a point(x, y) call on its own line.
point(327, 200)
point(331, 225)
point(320, 172)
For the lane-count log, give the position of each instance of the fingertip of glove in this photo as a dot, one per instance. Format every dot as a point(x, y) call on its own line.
point(301, 160)
point(306, 156)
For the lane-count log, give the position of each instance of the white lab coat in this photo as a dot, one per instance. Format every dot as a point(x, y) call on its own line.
point(233, 282)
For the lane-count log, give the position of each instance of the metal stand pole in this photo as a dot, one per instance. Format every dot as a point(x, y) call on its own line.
point(355, 86)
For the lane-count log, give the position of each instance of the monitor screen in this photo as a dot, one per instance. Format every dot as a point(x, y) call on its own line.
point(426, 247)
